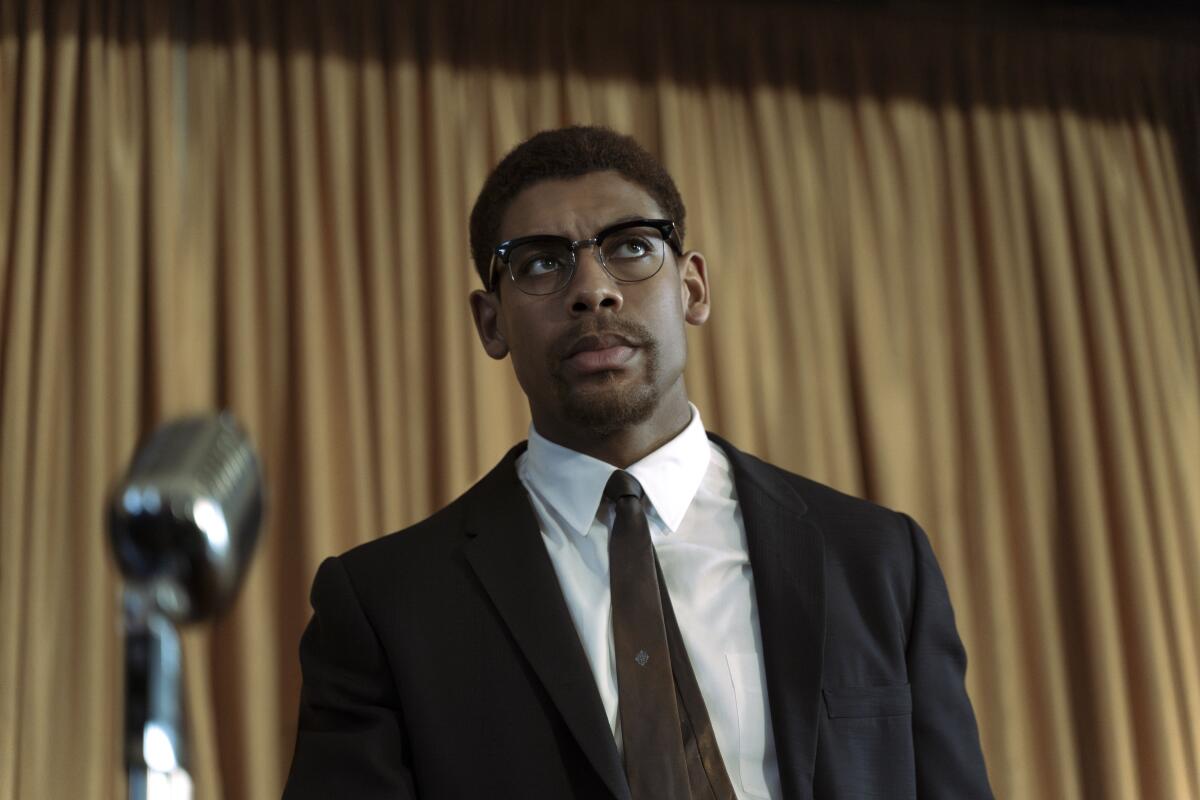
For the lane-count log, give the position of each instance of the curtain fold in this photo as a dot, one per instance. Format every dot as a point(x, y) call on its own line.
point(954, 269)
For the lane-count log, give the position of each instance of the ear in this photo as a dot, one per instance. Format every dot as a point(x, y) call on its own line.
point(485, 308)
point(693, 287)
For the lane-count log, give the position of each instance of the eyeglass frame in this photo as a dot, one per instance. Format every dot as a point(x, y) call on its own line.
point(503, 251)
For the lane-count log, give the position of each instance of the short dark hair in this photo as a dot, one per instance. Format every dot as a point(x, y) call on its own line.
point(566, 153)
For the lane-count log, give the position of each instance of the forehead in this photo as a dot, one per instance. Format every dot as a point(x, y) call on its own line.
point(576, 207)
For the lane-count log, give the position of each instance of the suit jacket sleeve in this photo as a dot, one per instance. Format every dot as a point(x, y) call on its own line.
point(350, 740)
point(949, 759)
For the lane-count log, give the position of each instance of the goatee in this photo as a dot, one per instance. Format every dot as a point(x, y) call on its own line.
point(606, 406)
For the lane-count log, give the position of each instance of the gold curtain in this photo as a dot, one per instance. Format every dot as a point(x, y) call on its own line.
point(955, 271)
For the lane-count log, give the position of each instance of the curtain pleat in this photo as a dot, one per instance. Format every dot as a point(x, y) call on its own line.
point(954, 270)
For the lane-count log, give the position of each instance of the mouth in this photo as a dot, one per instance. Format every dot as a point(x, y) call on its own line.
point(599, 353)
point(597, 342)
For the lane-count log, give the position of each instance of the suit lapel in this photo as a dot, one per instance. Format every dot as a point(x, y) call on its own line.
point(787, 559)
point(505, 549)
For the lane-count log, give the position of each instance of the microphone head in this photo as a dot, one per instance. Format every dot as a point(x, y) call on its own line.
point(185, 518)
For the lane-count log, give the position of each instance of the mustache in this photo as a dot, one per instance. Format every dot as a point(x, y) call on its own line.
point(636, 333)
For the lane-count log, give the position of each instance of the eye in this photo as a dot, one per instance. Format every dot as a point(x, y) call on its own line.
point(633, 248)
point(534, 264)
point(631, 245)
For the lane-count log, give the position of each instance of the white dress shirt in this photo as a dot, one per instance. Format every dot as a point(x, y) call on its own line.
point(697, 531)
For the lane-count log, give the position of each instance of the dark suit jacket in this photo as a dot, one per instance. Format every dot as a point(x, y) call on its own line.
point(441, 662)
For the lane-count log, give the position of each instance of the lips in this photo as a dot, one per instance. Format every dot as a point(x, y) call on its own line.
point(599, 353)
point(598, 342)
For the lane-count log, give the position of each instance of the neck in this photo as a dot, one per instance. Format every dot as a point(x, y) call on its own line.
point(626, 446)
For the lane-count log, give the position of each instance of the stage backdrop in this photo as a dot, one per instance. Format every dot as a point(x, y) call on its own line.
point(954, 267)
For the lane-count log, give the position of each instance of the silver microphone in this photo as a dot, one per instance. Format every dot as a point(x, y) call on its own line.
point(183, 524)
point(185, 517)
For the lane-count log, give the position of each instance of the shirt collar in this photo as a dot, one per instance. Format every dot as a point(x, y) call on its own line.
point(573, 483)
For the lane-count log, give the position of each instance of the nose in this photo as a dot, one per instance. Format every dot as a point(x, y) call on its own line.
point(592, 288)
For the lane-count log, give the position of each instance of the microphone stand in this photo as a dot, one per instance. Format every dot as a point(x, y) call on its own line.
point(155, 745)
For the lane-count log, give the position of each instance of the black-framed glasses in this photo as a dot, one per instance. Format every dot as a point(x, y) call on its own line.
point(629, 251)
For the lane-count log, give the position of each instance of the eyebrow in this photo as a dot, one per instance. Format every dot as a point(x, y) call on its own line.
point(615, 222)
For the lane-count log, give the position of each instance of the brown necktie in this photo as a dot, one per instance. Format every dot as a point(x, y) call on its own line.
point(670, 750)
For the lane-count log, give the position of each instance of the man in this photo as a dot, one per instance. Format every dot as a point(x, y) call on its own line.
point(625, 606)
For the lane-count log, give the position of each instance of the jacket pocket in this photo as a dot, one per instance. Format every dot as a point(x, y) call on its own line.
point(865, 744)
point(868, 701)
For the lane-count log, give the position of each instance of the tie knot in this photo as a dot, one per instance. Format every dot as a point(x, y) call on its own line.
point(622, 484)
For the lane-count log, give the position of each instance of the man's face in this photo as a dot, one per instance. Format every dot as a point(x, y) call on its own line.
point(599, 356)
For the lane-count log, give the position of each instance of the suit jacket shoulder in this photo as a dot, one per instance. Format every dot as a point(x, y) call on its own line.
point(856, 532)
point(406, 562)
